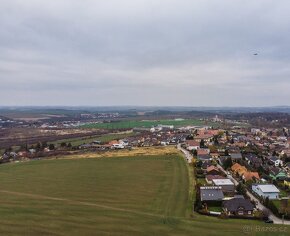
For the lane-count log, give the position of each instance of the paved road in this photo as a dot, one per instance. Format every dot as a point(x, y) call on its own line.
point(260, 206)
point(186, 153)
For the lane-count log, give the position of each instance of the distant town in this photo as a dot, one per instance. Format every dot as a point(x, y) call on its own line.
point(239, 162)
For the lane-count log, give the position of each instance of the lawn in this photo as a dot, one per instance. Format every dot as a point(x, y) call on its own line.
point(201, 181)
point(147, 195)
point(277, 203)
point(128, 124)
point(283, 193)
point(215, 208)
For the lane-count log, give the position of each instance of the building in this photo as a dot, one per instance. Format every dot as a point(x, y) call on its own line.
point(204, 158)
point(238, 207)
point(165, 126)
point(238, 169)
point(191, 145)
point(205, 164)
point(214, 155)
point(226, 185)
point(253, 160)
point(266, 190)
point(203, 136)
point(209, 178)
point(276, 173)
point(251, 176)
point(236, 156)
point(275, 161)
point(210, 193)
point(203, 151)
point(213, 170)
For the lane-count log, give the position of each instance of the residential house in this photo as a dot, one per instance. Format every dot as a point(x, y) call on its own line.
point(213, 132)
point(241, 144)
point(111, 143)
point(238, 207)
point(32, 150)
point(124, 142)
point(164, 143)
point(251, 176)
point(236, 156)
point(191, 145)
point(226, 184)
point(209, 178)
point(254, 161)
point(204, 157)
point(233, 149)
point(222, 159)
point(203, 136)
point(266, 168)
point(239, 169)
point(211, 193)
point(23, 154)
point(203, 151)
point(205, 164)
point(214, 155)
point(266, 190)
point(275, 173)
point(273, 160)
point(213, 170)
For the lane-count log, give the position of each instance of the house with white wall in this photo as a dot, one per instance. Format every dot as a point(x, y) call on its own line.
point(266, 190)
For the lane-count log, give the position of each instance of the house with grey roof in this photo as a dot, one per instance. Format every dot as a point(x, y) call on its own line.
point(211, 193)
point(226, 184)
point(236, 156)
point(253, 160)
point(266, 190)
point(238, 206)
point(276, 173)
point(204, 157)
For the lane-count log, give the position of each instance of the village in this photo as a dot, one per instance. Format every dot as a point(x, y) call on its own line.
point(242, 173)
point(239, 171)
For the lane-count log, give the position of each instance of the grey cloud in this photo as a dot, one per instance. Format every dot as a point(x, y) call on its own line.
point(176, 52)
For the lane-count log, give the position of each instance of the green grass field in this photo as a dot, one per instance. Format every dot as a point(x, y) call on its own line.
point(83, 140)
point(148, 123)
point(104, 196)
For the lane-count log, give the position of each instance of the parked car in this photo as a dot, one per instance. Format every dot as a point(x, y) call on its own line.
point(269, 221)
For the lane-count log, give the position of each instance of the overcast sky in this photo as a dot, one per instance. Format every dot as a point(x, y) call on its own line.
point(145, 52)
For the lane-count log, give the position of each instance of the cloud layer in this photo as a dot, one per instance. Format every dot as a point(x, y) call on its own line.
point(145, 52)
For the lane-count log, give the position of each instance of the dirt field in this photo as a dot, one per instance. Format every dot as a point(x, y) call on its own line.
point(141, 151)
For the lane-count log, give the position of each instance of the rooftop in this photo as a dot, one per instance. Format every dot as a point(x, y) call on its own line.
point(220, 182)
point(268, 188)
point(237, 203)
point(211, 193)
